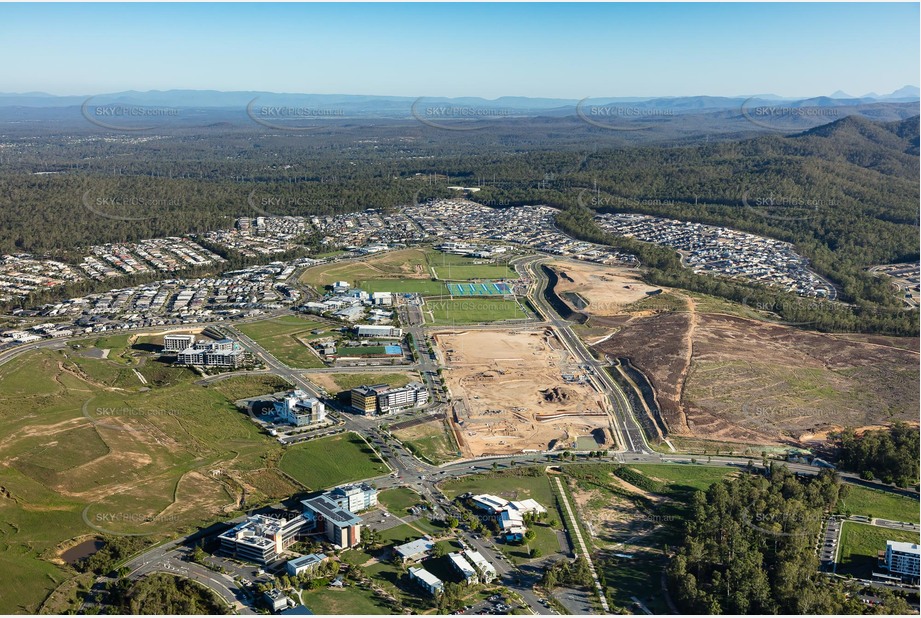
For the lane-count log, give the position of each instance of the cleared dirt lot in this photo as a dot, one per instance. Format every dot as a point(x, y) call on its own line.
point(510, 394)
point(728, 378)
point(607, 289)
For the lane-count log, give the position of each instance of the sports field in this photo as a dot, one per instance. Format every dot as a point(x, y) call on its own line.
point(450, 311)
point(485, 288)
point(285, 338)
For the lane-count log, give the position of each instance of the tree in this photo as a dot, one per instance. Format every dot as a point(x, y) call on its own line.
point(535, 552)
point(529, 535)
point(452, 522)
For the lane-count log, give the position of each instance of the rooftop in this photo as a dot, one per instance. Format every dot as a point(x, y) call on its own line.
point(330, 511)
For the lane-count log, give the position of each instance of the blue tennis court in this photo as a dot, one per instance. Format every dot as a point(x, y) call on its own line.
point(485, 288)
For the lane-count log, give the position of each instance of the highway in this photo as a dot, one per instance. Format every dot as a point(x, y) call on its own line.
point(627, 431)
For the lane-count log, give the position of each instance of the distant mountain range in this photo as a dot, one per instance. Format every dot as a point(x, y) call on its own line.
point(394, 106)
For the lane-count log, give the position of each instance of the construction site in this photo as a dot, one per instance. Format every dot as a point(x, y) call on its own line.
point(518, 391)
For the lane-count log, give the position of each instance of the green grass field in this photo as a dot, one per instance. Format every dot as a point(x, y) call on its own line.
point(128, 461)
point(431, 441)
point(471, 310)
point(398, 500)
point(875, 503)
point(282, 338)
point(693, 476)
point(860, 544)
point(405, 264)
point(347, 381)
point(327, 462)
point(348, 601)
point(425, 287)
point(459, 268)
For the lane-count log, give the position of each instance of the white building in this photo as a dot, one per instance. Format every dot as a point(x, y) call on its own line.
point(379, 331)
point(299, 409)
point(221, 353)
point(178, 343)
point(413, 395)
point(414, 550)
point(903, 559)
point(461, 566)
point(487, 571)
point(305, 564)
point(425, 579)
point(262, 538)
point(354, 498)
point(510, 514)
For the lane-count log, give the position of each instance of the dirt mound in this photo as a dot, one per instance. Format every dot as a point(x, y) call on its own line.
point(557, 394)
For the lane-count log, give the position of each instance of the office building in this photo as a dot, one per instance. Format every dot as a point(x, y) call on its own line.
point(486, 570)
point(354, 498)
point(305, 564)
point(299, 409)
point(462, 567)
point(220, 353)
point(378, 331)
point(262, 538)
point(426, 580)
point(342, 527)
point(413, 551)
point(177, 343)
point(902, 559)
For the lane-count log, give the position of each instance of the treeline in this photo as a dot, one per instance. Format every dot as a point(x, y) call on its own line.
point(114, 550)
point(162, 594)
point(749, 548)
point(890, 455)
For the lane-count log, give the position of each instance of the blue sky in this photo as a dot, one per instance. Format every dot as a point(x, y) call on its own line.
point(487, 50)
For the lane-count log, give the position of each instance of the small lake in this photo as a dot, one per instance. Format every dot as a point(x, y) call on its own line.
point(83, 550)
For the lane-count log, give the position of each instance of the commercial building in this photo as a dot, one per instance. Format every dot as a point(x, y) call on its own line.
point(461, 566)
point(486, 570)
point(364, 398)
point(414, 550)
point(342, 527)
point(378, 331)
point(354, 498)
point(220, 353)
point(381, 398)
point(275, 599)
point(509, 515)
point(902, 559)
point(426, 580)
point(305, 564)
point(262, 538)
point(178, 343)
point(299, 409)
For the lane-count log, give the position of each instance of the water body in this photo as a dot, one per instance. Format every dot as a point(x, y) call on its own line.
point(83, 550)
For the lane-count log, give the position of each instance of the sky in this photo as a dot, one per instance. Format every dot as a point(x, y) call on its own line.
point(487, 50)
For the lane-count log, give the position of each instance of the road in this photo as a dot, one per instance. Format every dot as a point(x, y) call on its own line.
point(627, 431)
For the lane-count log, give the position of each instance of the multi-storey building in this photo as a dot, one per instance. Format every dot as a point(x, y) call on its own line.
point(381, 398)
point(426, 580)
point(262, 538)
point(354, 498)
point(178, 343)
point(903, 560)
point(221, 353)
point(342, 527)
point(299, 409)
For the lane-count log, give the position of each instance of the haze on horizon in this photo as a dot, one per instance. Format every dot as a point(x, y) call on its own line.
point(453, 50)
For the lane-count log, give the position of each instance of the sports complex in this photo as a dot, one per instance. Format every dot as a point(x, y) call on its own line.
point(485, 288)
